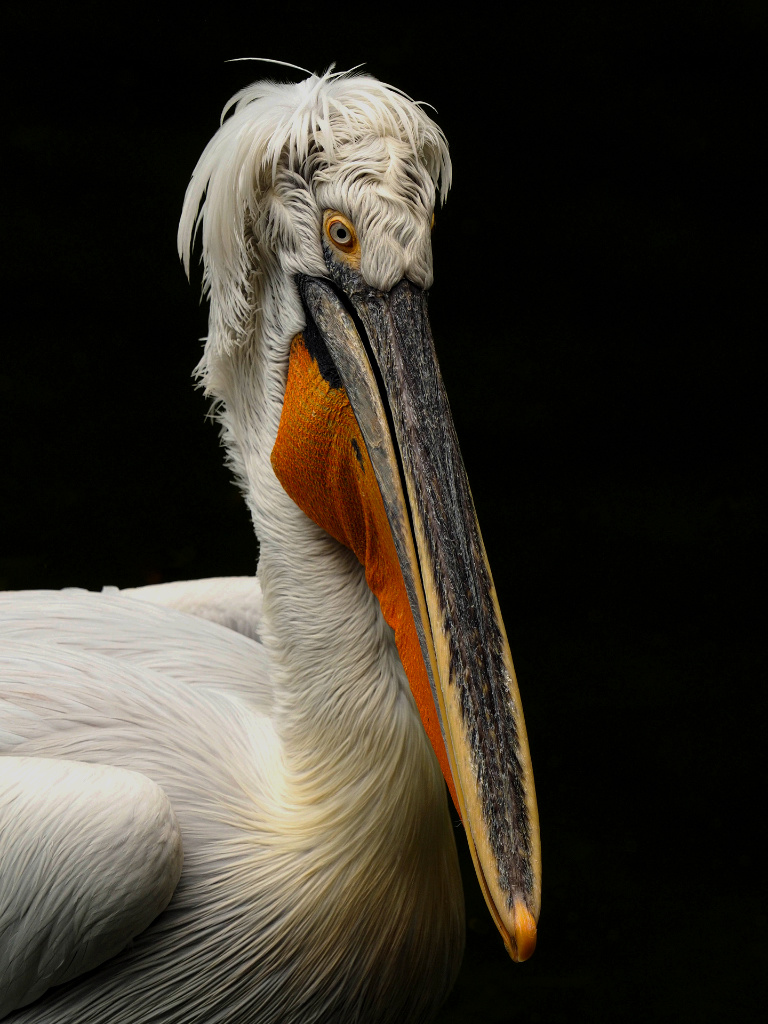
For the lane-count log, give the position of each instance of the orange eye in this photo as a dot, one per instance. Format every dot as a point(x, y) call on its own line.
point(341, 233)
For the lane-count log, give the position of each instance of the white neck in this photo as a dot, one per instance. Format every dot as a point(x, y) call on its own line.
point(345, 707)
point(359, 803)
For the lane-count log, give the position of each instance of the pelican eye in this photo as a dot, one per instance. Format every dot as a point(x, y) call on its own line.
point(341, 233)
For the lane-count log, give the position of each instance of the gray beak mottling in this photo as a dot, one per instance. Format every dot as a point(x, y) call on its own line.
point(382, 345)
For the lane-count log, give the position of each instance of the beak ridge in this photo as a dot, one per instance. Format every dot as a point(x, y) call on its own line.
point(384, 351)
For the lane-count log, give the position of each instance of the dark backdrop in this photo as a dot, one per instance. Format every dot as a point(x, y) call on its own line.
point(599, 271)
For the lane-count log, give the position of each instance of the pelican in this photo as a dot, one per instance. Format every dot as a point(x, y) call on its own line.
point(225, 800)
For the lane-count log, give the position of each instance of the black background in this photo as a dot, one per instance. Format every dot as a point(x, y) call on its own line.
point(598, 312)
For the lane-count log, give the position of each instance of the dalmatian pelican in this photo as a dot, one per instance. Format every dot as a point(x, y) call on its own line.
point(225, 800)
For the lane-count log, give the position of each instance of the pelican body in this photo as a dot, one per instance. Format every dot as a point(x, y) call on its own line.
point(226, 800)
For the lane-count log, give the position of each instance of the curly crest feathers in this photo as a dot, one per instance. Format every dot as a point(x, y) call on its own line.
point(256, 178)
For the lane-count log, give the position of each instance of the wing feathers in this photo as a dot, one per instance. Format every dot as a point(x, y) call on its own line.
point(232, 601)
point(90, 855)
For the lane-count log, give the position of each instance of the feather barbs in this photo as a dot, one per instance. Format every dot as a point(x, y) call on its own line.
point(301, 132)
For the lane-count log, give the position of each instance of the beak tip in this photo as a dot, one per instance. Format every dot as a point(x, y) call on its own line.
point(522, 943)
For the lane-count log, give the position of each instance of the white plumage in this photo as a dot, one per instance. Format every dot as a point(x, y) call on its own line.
point(106, 678)
point(320, 881)
point(52, 933)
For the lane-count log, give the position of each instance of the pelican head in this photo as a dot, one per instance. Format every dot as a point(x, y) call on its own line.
point(315, 203)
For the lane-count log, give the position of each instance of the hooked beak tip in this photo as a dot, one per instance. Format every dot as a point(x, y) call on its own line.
point(521, 945)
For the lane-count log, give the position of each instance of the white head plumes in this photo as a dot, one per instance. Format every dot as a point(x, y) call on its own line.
point(285, 153)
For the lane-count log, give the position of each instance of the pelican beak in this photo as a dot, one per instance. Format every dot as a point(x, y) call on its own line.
point(381, 345)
